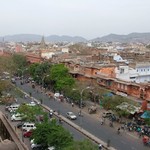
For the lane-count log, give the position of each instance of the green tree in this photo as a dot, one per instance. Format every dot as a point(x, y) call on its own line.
point(82, 145)
point(30, 112)
point(20, 61)
point(73, 94)
point(7, 64)
point(61, 78)
point(38, 71)
point(49, 133)
point(32, 69)
point(4, 85)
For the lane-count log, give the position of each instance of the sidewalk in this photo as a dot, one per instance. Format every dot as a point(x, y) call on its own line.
point(116, 125)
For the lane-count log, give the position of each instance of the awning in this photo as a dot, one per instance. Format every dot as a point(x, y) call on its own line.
point(128, 107)
point(146, 115)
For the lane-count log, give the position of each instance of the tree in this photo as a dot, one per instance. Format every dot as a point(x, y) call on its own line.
point(30, 112)
point(38, 71)
point(82, 145)
point(7, 64)
point(4, 85)
point(32, 69)
point(20, 61)
point(61, 78)
point(49, 133)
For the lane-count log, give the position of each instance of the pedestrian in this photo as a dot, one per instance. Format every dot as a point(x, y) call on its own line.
point(80, 113)
point(102, 121)
point(140, 134)
point(72, 104)
point(118, 131)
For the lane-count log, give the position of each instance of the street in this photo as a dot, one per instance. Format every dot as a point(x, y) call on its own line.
point(89, 123)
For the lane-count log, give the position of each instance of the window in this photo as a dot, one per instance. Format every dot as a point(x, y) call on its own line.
point(121, 70)
point(141, 69)
point(132, 77)
point(137, 70)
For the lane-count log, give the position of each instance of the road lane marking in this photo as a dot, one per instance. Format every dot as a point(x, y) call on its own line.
point(136, 137)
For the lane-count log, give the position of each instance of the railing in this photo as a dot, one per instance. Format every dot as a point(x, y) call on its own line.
point(13, 134)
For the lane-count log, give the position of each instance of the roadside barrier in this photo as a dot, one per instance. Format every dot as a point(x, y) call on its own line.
point(13, 134)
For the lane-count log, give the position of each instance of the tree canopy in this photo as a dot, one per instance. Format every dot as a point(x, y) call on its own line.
point(49, 133)
point(82, 145)
point(30, 112)
point(20, 61)
point(61, 77)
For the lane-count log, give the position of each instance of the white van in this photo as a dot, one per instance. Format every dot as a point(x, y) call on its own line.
point(28, 126)
point(13, 108)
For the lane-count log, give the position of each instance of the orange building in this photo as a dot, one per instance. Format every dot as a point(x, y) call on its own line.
point(105, 76)
point(33, 58)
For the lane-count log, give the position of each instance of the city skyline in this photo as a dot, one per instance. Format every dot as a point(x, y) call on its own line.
point(86, 18)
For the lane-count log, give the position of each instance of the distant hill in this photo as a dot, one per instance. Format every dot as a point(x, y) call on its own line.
point(34, 37)
point(132, 37)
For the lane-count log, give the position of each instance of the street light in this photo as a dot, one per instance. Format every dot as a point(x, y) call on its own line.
point(82, 95)
point(43, 80)
point(94, 96)
point(80, 105)
point(22, 72)
point(43, 85)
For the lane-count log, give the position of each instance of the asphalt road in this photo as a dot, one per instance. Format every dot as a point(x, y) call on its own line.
point(76, 134)
point(89, 123)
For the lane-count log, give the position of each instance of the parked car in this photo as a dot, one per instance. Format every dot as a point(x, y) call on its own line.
point(71, 115)
point(28, 133)
point(39, 146)
point(13, 108)
point(107, 114)
point(16, 117)
point(28, 126)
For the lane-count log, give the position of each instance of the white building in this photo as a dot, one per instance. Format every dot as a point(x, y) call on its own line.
point(65, 50)
point(139, 74)
point(47, 55)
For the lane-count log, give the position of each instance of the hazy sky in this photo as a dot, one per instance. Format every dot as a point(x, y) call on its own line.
point(87, 18)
